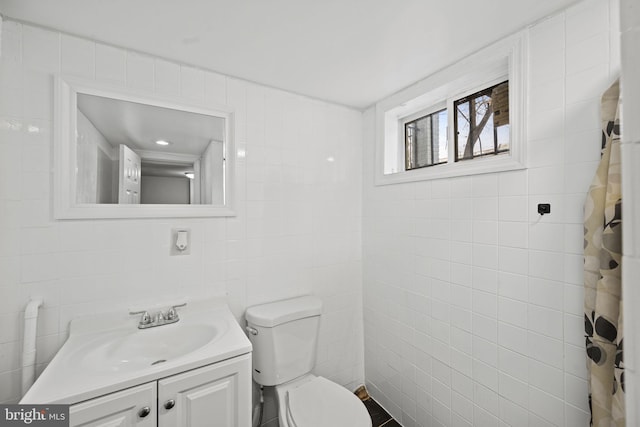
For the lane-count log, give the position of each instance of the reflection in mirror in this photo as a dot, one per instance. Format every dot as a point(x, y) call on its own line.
point(133, 153)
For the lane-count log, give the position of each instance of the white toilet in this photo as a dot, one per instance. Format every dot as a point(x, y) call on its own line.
point(284, 335)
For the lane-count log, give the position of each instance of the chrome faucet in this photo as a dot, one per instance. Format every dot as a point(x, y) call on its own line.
point(148, 321)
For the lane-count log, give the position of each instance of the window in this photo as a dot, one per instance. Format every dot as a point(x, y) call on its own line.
point(482, 123)
point(465, 119)
point(426, 140)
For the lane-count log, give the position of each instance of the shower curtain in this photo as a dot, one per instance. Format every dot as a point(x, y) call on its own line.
point(602, 275)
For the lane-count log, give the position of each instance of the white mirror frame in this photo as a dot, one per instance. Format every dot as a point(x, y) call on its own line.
point(66, 90)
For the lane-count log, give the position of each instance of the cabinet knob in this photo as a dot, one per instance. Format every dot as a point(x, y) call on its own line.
point(169, 404)
point(144, 412)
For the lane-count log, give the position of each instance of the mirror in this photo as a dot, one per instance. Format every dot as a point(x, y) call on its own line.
point(121, 154)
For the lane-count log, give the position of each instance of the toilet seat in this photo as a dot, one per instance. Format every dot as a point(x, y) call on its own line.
point(320, 402)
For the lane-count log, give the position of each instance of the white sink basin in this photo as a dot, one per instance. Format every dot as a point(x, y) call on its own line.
point(127, 349)
point(107, 352)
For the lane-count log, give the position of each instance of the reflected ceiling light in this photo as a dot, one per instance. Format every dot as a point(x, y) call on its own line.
point(189, 175)
point(162, 142)
point(331, 159)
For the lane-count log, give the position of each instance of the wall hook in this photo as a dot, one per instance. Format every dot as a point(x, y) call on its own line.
point(544, 208)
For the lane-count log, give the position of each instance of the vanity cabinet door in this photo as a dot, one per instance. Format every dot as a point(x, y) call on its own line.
point(135, 406)
point(217, 395)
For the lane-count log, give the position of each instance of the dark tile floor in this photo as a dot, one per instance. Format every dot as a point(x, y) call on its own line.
point(379, 417)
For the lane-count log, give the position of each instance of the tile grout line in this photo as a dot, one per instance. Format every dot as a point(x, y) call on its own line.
point(386, 422)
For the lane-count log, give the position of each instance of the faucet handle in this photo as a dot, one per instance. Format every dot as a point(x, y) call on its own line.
point(172, 313)
point(146, 317)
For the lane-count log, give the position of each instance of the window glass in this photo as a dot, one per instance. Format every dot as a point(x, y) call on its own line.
point(482, 123)
point(426, 140)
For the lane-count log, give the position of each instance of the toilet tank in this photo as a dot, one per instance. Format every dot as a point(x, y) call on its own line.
point(284, 335)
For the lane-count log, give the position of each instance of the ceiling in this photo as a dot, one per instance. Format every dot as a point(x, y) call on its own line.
point(352, 52)
point(139, 126)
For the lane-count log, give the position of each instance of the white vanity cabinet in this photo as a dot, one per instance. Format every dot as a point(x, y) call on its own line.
point(217, 395)
point(135, 406)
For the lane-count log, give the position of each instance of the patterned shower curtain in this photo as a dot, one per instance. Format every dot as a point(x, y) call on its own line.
point(602, 275)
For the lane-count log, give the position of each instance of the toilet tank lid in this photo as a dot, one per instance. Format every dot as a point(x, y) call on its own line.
point(276, 313)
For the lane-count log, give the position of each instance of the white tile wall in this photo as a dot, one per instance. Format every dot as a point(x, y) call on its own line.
point(298, 228)
point(512, 340)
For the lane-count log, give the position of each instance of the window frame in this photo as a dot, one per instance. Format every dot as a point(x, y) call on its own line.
point(504, 60)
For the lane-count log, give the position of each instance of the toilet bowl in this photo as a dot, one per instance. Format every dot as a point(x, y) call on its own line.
point(284, 336)
point(313, 401)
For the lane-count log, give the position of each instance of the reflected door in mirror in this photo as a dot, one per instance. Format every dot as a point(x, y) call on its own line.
point(129, 177)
